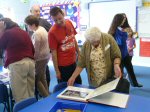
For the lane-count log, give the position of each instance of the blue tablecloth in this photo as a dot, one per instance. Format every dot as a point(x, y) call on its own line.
point(135, 104)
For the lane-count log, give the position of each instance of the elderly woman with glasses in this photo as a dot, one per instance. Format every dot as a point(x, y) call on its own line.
point(101, 57)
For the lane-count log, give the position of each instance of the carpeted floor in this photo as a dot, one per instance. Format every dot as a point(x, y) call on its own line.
point(143, 77)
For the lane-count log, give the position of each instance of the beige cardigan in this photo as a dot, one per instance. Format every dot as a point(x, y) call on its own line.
point(111, 51)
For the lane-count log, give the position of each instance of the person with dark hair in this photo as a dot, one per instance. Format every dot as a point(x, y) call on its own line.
point(19, 59)
point(35, 10)
point(118, 30)
point(63, 46)
point(42, 53)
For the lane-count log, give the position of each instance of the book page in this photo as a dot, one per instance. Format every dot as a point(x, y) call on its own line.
point(75, 93)
point(4, 77)
point(112, 98)
point(105, 88)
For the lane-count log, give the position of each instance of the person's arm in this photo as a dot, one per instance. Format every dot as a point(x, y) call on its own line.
point(36, 43)
point(134, 45)
point(55, 62)
point(76, 73)
point(2, 28)
point(116, 57)
point(117, 61)
point(117, 69)
point(77, 49)
point(3, 36)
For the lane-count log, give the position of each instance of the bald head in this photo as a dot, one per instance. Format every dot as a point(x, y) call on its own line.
point(35, 10)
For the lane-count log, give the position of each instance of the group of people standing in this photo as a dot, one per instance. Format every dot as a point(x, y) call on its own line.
point(27, 53)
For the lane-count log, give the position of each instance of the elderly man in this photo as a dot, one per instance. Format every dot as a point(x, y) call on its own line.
point(35, 10)
point(101, 56)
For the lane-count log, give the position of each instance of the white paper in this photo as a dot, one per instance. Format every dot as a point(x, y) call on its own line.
point(112, 98)
point(105, 88)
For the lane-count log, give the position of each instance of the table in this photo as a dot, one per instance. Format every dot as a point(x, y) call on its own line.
point(135, 104)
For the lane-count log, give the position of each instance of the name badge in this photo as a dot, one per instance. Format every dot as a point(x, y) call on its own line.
point(108, 46)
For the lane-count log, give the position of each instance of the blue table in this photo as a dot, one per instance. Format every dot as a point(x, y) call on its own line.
point(135, 104)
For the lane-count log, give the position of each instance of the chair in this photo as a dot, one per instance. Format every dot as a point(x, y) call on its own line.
point(59, 86)
point(4, 97)
point(24, 103)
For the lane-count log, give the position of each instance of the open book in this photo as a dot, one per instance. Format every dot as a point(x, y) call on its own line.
point(101, 94)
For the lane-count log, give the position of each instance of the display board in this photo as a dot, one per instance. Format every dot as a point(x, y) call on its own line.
point(71, 11)
point(145, 47)
point(144, 22)
point(102, 13)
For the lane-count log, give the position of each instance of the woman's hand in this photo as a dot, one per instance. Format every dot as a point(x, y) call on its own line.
point(71, 81)
point(117, 71)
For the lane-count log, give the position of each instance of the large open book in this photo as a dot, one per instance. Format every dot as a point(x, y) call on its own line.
point(101, 94)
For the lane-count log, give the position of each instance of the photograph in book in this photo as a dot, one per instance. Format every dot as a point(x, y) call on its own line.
point(76, 93)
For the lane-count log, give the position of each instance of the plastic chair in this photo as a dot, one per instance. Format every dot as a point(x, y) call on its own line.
point(24, 103)
point(59, 86)
point(4, 97)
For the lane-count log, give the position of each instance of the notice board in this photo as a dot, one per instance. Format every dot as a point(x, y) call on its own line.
point(145, 47)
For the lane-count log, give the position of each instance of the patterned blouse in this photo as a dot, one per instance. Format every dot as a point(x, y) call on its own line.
point(97, 65)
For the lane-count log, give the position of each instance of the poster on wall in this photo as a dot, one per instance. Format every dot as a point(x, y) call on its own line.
point(71, 11)
point(145, 47)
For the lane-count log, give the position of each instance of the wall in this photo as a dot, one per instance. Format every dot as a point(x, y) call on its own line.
point(15, 9)
point(84, 20)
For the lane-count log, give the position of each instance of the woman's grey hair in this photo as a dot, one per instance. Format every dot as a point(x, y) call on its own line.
point(93, 34)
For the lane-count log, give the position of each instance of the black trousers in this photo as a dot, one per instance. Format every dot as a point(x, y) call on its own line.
point(66, 73)
point(48, 75)
point(126, 62)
